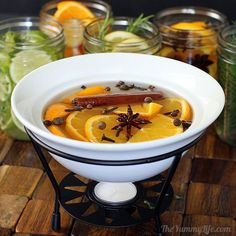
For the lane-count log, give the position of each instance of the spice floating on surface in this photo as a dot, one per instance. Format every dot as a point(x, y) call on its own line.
point(105, 138)
point(129, 120)
point(107, 111)
point(148, 100)
point(102, 125)
point(113, 99)
point(92, 116)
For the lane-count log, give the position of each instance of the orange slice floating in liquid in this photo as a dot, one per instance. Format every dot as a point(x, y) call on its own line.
point(171, 104)
point(161, 127)
point(95, 90)
point(75, 123)
point(56, 110)
point(94, 134)
point(58, 130)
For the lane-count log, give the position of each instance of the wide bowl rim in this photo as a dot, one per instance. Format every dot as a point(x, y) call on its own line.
point(112, 147)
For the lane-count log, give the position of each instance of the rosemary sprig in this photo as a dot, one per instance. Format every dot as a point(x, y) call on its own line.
point(135, 24)
point(103, 27)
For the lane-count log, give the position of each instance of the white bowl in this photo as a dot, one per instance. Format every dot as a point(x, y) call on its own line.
point(37, 89)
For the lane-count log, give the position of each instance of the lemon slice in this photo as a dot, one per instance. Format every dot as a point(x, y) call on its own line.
point(119, 36)
point(26, 61)
point(161, 127)
point(5, 87)
point(131, 45)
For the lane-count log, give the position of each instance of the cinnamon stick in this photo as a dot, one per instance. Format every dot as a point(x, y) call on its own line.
point(114, 99)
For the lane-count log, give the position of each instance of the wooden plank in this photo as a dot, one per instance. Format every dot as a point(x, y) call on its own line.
point(44, 190)
point(195, 225)
point(11, 207)
point(209, 199)
point(179, 198)
point(3, 171)
point(56, 166)
point(5, 145)
point(171, 221)
point(5, 232)
point(182, 174)
point(233, 153)
point(214, 171)
point(145, 229)
point(36, 219)
point(23, 154)
point(19, 180)
point(20, 234)
point(82, 229)
point(211, 146)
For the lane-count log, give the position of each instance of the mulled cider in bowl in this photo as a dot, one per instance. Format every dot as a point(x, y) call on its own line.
point(115, 111)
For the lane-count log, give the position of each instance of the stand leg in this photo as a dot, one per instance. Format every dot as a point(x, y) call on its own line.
point(164, 189)
point(56, 218)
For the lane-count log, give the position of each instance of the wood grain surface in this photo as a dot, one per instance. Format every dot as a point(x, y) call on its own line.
point(204, 194)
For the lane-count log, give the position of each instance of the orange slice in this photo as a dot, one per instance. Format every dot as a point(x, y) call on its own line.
point(75, 123)
point(57, 130)
point(195, 25)
point(161, 127)
point(94, 134)
point(171, 104)
point(72, 10)
point(87, 92)
point(56, 110)
point(145, 110)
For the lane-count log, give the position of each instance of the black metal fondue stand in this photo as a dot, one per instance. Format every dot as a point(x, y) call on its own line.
point(149, 202)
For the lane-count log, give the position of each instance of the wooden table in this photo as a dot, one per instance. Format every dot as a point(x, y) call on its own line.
point(204, 200)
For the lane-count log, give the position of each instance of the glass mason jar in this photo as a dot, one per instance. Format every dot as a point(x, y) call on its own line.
point(74, 27)
point(26, 43)
point(226, 123)
point(189, 34)
point(147, 39)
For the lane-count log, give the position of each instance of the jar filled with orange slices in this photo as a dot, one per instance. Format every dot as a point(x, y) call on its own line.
point(122, 34)
point(189, 34)
point(74, 16)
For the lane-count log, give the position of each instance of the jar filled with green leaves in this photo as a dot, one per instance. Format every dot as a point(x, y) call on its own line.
point(122, 34)
point(26, 43)
point(226, 123)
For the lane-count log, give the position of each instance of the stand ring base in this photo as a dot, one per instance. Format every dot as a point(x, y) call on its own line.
point(79, 200)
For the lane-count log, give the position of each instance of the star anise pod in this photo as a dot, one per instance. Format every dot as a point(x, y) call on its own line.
point(129, 120)
point(200, 61)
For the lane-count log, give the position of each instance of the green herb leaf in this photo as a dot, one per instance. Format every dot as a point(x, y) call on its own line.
point(135, 24)
point(103, 27)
